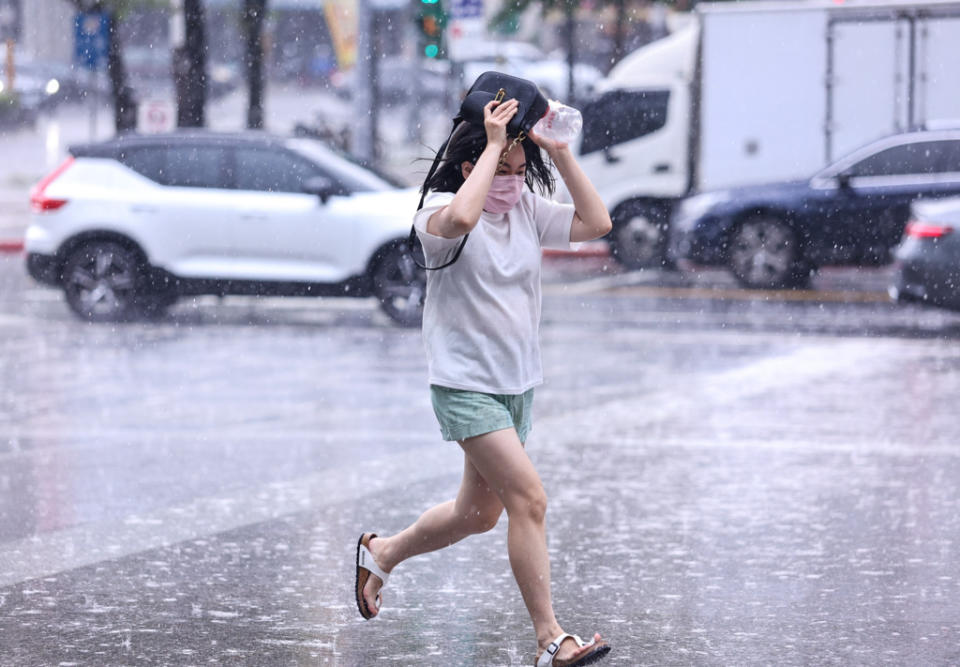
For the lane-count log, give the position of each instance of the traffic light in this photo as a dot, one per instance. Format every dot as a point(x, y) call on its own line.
point(432, 20)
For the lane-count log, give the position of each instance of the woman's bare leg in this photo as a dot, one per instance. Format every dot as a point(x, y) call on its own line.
point(476, 509)
point(502, 461)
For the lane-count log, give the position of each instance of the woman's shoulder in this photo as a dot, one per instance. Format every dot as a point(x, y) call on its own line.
point(533, 203)
point(530, 199)
point(437, 198)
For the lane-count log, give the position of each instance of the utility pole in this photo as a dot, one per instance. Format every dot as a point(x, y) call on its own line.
point(254, 13)
point(9, 32)
point(364, 137)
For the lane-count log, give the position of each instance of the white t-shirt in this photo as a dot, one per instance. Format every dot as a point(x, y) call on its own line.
point(481, 316)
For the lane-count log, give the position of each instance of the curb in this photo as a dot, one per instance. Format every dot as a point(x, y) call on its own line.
point(592, 250)
point(11, 245)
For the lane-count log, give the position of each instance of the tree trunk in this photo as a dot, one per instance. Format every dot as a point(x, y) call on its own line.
point(254, 12)
point(124, 104)
point(190, 68)
point(570, 36)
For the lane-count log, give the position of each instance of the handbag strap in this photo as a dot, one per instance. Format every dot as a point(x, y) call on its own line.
point(412, 239)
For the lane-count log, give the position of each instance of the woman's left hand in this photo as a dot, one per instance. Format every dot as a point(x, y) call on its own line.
point(549, 145)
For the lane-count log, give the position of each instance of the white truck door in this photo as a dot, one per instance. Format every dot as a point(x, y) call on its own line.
point(937, 98)
point(868, 72)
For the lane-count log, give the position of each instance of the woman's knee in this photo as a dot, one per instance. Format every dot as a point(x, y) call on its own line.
point(482, 520)
point(530, 503)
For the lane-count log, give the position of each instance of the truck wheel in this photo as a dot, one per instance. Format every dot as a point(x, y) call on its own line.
point(639, 235)
point(400, 286)
point(764, 253)
point(100, 281)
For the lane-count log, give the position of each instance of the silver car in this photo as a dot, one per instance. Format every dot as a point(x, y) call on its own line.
point(928, 257)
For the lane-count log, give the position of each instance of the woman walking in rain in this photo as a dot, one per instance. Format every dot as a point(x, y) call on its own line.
point(481, 331)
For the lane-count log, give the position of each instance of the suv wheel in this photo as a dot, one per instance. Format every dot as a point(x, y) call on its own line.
point(764, 253)
point(400, 285)
point(154, 305)
point(100, 281)
point(639, 235)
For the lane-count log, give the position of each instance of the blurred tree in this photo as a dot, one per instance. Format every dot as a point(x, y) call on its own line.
point(620, 30)
point(124, 103)
point(254, 13)
point(509, 13)
point(506, 21)
point(190, 67)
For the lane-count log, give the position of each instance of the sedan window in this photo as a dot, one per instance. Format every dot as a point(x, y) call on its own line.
point(923, 157)
point(271, 170)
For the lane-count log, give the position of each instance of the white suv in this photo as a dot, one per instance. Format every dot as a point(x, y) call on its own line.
point(127, 226)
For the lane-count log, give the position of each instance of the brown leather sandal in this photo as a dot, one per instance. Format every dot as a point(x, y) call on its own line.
point(365, 567)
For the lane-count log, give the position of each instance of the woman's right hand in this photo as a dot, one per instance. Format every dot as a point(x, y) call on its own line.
point(496, 116)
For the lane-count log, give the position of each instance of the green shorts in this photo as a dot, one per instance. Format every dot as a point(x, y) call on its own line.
point(465, 414)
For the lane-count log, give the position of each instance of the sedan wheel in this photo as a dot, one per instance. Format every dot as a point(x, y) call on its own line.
point(400, 285)
point(764, 253)
point(100, 281)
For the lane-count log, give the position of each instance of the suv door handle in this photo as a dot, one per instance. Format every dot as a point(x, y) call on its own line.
point(662, 168)
point(139, 208)
point(252, 216)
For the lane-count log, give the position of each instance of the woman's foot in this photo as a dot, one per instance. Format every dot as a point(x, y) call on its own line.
point(571, 652)
point(374, 583)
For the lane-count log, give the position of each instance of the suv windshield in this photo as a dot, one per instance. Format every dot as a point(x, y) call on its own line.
point(345, 168)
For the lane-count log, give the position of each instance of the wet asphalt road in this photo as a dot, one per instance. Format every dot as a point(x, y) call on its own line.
point(747, 480)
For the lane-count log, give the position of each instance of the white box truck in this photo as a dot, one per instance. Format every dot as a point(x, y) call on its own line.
point(756, 92)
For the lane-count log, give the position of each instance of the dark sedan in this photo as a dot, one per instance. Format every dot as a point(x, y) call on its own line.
point(851, 213)
point(928, 258)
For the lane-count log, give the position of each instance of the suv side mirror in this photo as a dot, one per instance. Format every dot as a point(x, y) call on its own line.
point(322, 187)
point(843, 180)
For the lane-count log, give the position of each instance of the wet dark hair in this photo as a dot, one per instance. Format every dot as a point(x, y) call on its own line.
point(466, 145)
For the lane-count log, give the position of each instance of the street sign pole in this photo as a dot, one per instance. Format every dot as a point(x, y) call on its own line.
point(91, 42)
point(467, 29)
point(91, 85)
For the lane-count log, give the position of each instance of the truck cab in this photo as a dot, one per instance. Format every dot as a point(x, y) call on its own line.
point(637, 130)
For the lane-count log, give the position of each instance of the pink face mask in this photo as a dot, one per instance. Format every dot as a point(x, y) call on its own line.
point(504, 194)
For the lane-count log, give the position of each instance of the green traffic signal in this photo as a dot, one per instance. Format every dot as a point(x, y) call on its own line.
point(431, 21)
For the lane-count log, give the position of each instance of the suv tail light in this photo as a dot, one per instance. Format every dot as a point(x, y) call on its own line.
point(927, 230)
point(38, 198)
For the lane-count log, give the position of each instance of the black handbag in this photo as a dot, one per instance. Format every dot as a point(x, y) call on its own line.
point(532, 106)
point(498, 86)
